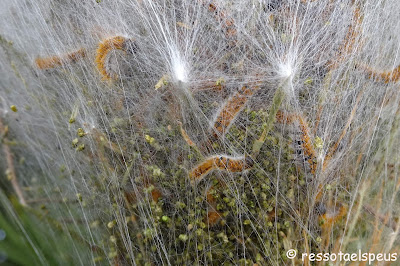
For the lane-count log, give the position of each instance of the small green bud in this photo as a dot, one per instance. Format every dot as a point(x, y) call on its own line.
point(79, 196)
point(111, 224)
point(81, 132)
point(183, 237)
point(113, 239)
point(149, 139)
point(308, 81)
point(287, 224)
point(80, 147)
point(318, 143)
point(75, 142)
point(95, 224)
point(199, 232)
point(112, 254)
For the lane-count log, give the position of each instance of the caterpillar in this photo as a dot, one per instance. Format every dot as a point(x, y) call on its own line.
point(230, 110)
point(106, 46)
point(226, 163)
point(388, 76)
point(348, 45)
point(307, 145)
point(305, 142)
point(55, 61)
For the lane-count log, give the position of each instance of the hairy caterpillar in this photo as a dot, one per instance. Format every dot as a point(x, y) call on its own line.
point(230, 110)
point(54, 61)
point(229, 164)
point(388, 76)
point(305, 141)
point(307, 145)
point(348, 45)
point(113, 43)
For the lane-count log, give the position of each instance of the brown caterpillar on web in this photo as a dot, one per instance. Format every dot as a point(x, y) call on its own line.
point(105, 47)
point(385, 76)
point(221, 162)
point(229, 111)
point(350, 43)
point(59, 60)
point(300, 133)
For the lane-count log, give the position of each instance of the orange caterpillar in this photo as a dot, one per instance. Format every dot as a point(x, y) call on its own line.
point(113, 43)
point(229, 164)
point(350, 40)
point(307, 145)
point(55, 61)
point(230, 110)
point(388, 76)
point(306, 142)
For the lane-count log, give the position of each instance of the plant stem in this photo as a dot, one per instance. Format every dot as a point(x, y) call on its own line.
point(10, 166)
